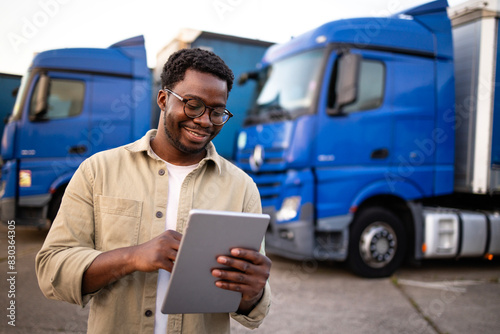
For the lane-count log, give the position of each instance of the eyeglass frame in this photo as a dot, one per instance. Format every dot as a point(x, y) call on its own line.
point(185, 101)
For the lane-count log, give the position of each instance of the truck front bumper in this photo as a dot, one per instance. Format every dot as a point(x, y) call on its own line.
point(291, 240)
point(7, 209)
point(302, 240)
point(32, 210)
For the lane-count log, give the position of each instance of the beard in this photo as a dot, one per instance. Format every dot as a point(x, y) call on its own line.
point(174, 140)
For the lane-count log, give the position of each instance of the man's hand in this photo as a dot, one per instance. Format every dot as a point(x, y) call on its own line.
point(108, 267)
point(158, 253)
point(253, 270)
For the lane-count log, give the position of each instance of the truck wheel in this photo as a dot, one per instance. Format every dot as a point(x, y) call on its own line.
point(55, 203)
point(377, 243)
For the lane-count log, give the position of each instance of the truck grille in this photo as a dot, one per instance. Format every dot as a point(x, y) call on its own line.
point(273, 159)
point(270, 176)
point(270, 187)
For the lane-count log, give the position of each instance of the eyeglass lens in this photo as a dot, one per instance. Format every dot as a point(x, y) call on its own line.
point(195, 108)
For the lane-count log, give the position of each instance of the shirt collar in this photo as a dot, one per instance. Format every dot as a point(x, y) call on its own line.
point(144, 145)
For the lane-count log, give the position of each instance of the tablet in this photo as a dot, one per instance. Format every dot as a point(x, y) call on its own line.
point(208, 235)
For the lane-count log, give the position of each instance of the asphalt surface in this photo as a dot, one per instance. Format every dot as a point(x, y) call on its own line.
point(308, 297)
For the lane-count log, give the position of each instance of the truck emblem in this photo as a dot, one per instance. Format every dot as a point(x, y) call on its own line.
point(257, 158)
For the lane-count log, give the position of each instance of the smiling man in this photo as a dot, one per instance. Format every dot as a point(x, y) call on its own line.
point(187, 134)
point(120, 224)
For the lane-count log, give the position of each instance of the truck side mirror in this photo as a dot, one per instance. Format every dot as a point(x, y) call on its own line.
point(15, 91)
point(244, 77)
point(41, 104)
point(347, 81)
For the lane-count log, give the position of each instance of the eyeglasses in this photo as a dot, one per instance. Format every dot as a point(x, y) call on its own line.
point(194, 108)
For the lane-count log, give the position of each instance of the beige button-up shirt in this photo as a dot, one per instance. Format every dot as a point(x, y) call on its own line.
point(118, 198)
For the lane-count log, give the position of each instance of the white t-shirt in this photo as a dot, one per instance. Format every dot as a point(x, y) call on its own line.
point(176, 176)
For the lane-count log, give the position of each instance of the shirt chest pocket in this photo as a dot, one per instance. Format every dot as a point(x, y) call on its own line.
point(117, 222)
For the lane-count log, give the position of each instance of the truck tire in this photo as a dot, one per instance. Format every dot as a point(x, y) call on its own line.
point(55, 203)
point(377, 243)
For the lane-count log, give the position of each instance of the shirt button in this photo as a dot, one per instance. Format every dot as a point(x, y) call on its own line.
point(161, 172)
point(159, 214)
point(148, 313)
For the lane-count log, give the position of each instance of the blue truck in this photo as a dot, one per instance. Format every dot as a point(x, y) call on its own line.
point(9, 85)
point(75, 102)
point(375, 140)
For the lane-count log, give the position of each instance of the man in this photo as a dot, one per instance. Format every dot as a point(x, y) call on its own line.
point(118, 230)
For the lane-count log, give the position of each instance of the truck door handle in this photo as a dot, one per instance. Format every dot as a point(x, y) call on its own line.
point(380, 153)
point(77, 149)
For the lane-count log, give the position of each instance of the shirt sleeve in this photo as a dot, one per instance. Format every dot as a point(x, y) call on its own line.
point(69, 248)
point(259, 312)
point(261, 309)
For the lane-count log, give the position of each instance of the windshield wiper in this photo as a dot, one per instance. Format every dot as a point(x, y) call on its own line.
point(264, 113)
point(252, 119)
point(277, 113)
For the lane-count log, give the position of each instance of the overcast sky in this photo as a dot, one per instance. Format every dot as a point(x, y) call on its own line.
point(30, 26)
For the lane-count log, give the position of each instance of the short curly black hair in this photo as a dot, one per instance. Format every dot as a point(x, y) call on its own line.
point(196, 59)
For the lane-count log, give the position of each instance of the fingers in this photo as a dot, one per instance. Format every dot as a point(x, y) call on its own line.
point(246, 260)
point(168, 247)
point(248, 254)
point(173, 235)
point(252, 272)
point(248, 285)
point(158, 253)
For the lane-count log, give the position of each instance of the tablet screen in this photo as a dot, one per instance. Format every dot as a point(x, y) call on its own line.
point(208, 235)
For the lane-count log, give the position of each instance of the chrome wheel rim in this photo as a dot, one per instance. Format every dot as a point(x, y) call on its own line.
point(378, 244)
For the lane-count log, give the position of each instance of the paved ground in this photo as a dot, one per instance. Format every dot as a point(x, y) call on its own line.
point(308, 297)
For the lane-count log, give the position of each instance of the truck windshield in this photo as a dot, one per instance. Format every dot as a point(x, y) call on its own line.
point(286, 88)
point(16, 111)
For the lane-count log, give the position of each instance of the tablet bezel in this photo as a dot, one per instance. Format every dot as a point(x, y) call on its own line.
point(208, 235)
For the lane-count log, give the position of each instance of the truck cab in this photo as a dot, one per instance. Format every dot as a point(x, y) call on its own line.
point(71, 104)
point(353, 127)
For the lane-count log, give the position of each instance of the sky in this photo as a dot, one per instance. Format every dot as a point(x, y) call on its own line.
point(31, 26)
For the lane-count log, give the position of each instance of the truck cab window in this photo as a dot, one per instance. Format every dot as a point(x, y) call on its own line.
point(64, 99)
point(370, 88)
point(286, 89)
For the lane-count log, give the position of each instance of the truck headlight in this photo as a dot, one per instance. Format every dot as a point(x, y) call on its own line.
point(289, 208)
point(242, 140)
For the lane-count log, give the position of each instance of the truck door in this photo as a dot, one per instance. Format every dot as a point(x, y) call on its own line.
point(354, 144)
point(54, 127)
